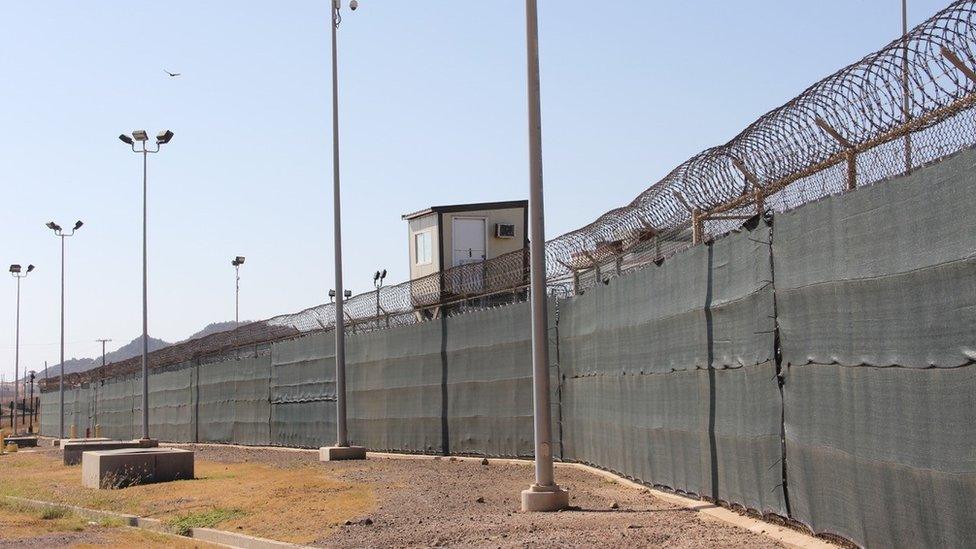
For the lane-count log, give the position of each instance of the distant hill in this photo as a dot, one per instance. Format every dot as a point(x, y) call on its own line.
point(131, 349)
point(217, 327)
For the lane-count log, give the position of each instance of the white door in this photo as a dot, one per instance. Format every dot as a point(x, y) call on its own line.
point(469, 252)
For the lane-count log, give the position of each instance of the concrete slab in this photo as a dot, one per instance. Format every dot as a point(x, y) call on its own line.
point(22, 441)
point(544, 498)
point(73, 450)
point(338, 453)
point(130, 466)
point(57, 442)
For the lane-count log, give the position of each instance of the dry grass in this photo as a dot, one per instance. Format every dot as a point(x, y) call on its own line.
point(299, 504)
point(20, 522)
point(23, 524)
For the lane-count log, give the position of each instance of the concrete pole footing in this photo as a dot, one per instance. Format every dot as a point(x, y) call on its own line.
point(337, 453)
point(544, 498)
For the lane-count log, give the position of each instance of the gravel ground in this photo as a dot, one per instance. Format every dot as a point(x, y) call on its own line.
point(444, 502)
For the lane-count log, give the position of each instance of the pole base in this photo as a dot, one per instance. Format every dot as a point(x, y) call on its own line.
point(339, 453)
point(541, 499)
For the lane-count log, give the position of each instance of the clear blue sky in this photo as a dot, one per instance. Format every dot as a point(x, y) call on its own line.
point(433, 112)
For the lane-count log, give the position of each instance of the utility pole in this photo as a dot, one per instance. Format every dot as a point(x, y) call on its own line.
point(544, 494)
point(103, 342)
point(30, 428)
point(342, 449)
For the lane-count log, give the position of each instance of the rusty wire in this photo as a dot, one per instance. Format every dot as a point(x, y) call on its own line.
point(787, 153)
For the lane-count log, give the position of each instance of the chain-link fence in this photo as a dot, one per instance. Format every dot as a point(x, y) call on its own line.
point(899, 108)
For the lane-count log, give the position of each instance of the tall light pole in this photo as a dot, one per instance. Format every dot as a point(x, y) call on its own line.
point(378, 278)
point(60, 233)
point(341, 450)
point(544, 494)
point(15, 271)
point(237, 262)
point(162, 138)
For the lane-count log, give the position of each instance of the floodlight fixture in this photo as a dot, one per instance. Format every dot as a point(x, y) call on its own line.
point(78, 225)
point(30, 268)
point(53, 226)
point(15, 268)
point(126, 139)
point(239, 260)
point(353, 4)
point(164, 137)
point(347, 293)
point(140, 135)
point(331, 294)
point(383, 274)
point(376, 276)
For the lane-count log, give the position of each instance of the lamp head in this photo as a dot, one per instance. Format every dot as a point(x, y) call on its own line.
point(15, 269)
point(53, 226)
point(30, 268)
point(78, 224)
point(347, 293)
point(353, 4)
point(140, 135)
point(164, 137)
point(376, 276)
point(126, 139)
point(383, 274)
point(240, 260)
point(332, 294)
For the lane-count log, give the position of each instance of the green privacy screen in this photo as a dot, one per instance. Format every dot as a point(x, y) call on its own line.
point(457, 385)
point(669, 375)
point(672, 374)
point(876, 294)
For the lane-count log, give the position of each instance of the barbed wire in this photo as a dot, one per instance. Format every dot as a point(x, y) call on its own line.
point(901, 107)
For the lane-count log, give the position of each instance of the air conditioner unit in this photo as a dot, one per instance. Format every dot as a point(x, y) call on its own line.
point(504, 230)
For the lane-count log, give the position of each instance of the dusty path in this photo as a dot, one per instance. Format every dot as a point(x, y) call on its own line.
point(428, 502)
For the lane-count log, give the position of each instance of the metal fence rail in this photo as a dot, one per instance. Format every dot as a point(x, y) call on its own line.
point(906, 105)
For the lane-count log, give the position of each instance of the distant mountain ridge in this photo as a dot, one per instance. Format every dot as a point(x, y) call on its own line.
point(131, 349)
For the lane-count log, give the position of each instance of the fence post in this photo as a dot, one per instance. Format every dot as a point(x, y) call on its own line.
point(697, 226)
point(850, 148)
point(851, 170)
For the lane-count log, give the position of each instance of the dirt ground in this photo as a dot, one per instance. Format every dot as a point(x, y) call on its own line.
point(381, 502)
point(439, 502)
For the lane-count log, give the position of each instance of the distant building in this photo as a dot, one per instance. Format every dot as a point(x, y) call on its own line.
point(467, 250)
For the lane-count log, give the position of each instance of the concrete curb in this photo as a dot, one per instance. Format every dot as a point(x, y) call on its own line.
point(209, 535)
point(782, 534)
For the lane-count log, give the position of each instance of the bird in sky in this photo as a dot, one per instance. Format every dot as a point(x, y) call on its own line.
point(172, 74)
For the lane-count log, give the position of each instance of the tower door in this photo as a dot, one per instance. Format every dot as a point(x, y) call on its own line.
point(469, 240)
point(469, 248)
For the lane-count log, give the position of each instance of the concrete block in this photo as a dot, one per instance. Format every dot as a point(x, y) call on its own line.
point(23, 441)
point(337, 453)
point(130, 466)
point(73, 450)
point(58, 442)
point(544, 498)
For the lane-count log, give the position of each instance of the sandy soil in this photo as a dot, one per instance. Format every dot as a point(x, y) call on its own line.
point(443, 502)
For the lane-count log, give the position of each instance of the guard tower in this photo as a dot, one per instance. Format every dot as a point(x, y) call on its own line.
point(467, 250)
